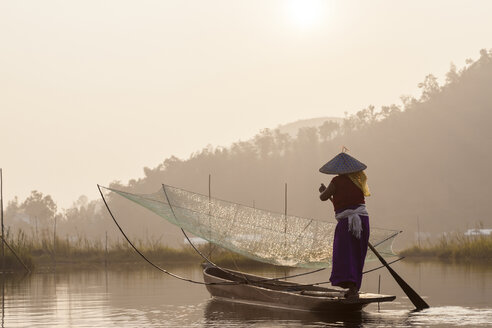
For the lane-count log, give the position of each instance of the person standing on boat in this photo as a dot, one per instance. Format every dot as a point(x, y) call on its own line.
point(347, 191)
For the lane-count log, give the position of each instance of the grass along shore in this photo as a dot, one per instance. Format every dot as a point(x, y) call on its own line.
point(42, 253)
point(457, 247)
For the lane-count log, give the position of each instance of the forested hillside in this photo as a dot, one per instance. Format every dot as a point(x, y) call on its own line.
point(428, 160)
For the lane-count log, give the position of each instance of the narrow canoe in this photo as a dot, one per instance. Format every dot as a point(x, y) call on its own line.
point(283, 294)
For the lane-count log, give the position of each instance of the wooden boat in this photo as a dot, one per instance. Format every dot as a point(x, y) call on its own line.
point(257, 290)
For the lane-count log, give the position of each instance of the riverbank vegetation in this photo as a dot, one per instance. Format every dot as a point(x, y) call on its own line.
point(45, 253)
point(457, 247)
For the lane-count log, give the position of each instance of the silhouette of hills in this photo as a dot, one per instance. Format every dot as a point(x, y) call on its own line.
point(428, 161)
point(293, 128)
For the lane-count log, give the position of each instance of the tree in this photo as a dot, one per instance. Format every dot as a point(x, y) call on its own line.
point(265, 143)
point(349, 124)
point(328, 129)
point(14, 215)
point(283, 142)
point(307, 138)
point(366, 116)
point(408, 101)
point(39, 207)
point(430, 87)
point(387, 111)
point(452, 76)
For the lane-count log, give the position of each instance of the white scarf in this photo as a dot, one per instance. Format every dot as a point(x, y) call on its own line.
point(354, 222)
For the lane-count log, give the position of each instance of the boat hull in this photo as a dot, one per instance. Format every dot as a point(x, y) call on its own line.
point(251, 289)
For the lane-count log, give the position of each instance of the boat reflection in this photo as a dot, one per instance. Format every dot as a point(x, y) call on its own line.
point(220, 312)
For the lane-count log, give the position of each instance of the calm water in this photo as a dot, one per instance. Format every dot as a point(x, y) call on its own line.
point(459, 295)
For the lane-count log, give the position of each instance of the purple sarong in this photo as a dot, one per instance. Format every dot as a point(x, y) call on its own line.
point(349, 253)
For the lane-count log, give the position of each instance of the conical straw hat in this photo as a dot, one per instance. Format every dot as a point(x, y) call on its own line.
point(343, 163)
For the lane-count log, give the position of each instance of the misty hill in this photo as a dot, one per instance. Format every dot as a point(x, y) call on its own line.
point(293, 128)
point(428, 160)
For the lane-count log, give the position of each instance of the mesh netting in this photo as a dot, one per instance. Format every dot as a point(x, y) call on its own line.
point(259, 234)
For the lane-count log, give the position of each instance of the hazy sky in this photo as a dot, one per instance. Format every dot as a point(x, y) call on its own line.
point(93, 91)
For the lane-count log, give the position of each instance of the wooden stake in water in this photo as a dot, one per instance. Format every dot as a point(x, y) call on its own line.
point(285, 216)
point(1, 215)
point(285, 210)
point(54, 244)
point(285, 222)
point(3, 241)
point(209, 214)
point(2, 281)
point(379, 288)
point(106, 251)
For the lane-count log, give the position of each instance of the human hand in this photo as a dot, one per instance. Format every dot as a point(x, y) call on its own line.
point(322, 188)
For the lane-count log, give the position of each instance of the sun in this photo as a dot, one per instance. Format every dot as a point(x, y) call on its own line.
point(306, 13)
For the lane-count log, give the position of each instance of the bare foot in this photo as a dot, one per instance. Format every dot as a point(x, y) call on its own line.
point(352, 293)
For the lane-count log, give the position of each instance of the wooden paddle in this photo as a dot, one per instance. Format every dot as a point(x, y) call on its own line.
point(419, 303)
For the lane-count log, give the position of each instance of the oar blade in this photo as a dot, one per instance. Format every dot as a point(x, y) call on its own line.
point(415, 298)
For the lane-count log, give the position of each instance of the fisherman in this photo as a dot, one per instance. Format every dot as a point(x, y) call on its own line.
point(347, 191)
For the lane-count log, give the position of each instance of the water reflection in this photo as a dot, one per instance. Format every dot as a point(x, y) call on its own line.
point(448, 316)
point(220, 312)
point(459, 294)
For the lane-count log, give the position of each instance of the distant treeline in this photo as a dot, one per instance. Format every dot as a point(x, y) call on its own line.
point(428, 159)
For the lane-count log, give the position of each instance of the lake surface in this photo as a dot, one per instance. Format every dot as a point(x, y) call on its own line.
point(459, 295)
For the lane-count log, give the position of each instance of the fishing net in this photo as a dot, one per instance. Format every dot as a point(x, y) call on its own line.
point(259, 234)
